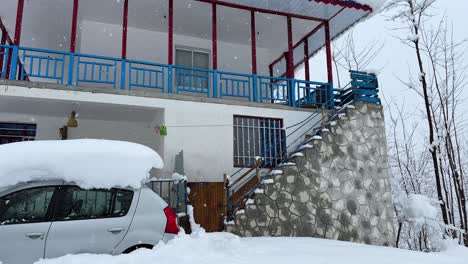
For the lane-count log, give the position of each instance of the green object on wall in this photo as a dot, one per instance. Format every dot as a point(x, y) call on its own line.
point(163, 131)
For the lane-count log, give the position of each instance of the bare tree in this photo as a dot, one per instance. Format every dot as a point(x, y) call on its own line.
point(349, 56)
point(440, 82)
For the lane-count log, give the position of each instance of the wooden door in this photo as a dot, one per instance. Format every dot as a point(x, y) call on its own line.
point(208, 200)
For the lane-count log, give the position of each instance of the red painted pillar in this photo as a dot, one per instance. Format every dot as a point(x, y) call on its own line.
point(214, 33)
point(170, 37)
point(329, 52)
point(74, 25)
point(306, 60)
point(290, 56)
point(253, 36)
point(17, 38)
point(3, 42)
point(124, 30)
point(19, 23)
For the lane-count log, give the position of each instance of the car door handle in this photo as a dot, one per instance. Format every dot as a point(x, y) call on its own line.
point(115, 230)
point(35, 235)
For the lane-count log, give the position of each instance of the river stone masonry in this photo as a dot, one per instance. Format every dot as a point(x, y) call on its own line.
point(336, 187)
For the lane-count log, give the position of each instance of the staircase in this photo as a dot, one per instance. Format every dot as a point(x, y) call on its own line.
point(335, 184)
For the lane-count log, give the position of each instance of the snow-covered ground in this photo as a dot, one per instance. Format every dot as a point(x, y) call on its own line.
point(215, 248)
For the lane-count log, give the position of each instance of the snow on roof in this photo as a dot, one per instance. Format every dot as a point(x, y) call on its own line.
point(90, 163)
point(374, 4)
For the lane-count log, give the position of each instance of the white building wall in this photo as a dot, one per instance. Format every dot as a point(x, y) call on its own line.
point(48, 129)
point(145, 45)
point(204, 131)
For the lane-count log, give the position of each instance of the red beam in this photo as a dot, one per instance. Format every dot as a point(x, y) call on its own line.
point(290, 68)
point(19, 22)
point(253, 36)
point(214, 35)
point(124, 30)
point(306, 37)
point(5, 32)
point(262, 10)
point(329, 52)
point(306, 61)
point(2, 50)
point(170, 48)
point(74, 25)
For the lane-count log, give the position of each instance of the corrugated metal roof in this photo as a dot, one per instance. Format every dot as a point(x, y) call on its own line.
point(321, 9)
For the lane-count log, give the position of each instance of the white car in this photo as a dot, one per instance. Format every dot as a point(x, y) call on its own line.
point(53, 218)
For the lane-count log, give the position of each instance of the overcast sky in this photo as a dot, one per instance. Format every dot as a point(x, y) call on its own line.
point(395, 58)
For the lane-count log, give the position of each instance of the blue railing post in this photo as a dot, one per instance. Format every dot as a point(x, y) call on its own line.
point(215, 84)
point(71, 68)
point(170, 78)
point(293, 93)
point(123, 72)
point(255, 88)
point(14, 63)
point(332, 96)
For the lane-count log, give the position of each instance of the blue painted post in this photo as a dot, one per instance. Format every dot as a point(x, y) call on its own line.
point(255, 88)
point(170, 78)
point(332, 96)
point(14, 62)
point(123, 72)
point(215, 84)
point(71, 67)
point(293, 93)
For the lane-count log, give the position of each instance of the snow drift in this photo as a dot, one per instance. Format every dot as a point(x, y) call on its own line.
point(89, 163)
point(215, 248)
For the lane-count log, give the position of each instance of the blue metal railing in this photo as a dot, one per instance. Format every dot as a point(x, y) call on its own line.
point(146, 75)
point(101, 71)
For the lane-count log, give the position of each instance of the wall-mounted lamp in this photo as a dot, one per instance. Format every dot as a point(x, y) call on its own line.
point(72, 122)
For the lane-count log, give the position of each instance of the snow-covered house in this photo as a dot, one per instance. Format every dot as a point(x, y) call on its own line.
point(211, 85)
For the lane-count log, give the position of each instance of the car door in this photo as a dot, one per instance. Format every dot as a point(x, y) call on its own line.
point(90, 221)
point(25, 218)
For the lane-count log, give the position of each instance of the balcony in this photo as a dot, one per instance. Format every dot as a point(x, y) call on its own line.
point(76, 69)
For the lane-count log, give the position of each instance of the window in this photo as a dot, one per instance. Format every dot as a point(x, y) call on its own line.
point(79, 204)
point(26, 206)
point(13, 132)
point(258, 137)
point(192, 58)
point(188, 79)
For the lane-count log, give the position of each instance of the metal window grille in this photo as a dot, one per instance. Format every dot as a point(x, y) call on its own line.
point(14, 132)
point(258, 137)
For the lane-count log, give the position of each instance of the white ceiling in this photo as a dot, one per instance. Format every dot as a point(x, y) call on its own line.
point(49, 21)
point(86, 110)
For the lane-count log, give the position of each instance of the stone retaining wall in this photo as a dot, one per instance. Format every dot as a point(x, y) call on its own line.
point(336, 187)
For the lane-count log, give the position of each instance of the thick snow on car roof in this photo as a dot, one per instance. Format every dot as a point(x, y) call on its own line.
point(90, 163)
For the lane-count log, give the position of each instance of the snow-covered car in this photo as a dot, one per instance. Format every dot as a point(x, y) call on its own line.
point(66, 197)
point(53, 218)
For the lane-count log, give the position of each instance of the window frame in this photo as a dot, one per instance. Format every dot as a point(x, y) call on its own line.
point(61, 193)
point(50, 210)
point(262, 118)
point(192, 50)
point(20, 136)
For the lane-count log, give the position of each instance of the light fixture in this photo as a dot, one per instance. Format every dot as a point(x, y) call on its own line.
point(72, 122)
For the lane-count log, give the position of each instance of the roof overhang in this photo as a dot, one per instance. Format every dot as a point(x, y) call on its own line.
point(340, 14)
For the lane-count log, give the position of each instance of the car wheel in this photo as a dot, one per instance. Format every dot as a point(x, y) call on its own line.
point(131, 249)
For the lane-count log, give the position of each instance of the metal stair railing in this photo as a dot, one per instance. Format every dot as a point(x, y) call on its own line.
point(236, 194)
